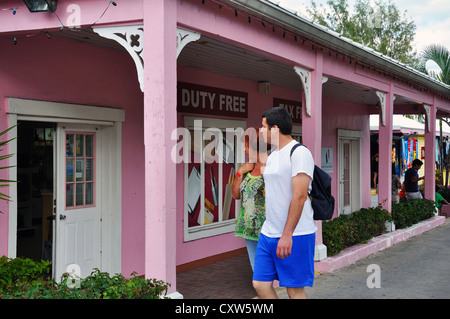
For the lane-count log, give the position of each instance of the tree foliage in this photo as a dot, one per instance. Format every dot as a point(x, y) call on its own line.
point(441, 56)
point(382, 27)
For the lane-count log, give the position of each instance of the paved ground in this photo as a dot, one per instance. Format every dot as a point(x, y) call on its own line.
point(416, 269)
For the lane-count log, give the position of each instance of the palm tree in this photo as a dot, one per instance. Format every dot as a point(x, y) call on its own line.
point(441, 56)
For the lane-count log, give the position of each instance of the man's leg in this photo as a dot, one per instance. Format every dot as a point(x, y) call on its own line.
point(265, 289)
point(296, 293)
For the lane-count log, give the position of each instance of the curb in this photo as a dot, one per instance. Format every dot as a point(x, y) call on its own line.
point(357, 252)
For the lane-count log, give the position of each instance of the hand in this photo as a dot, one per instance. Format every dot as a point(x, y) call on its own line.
point(247, 167)
point(284, 247)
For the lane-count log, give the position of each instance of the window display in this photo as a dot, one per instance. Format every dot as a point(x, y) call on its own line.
point(214, 153)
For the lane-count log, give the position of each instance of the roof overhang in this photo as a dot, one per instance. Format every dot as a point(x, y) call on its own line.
point(290, 21)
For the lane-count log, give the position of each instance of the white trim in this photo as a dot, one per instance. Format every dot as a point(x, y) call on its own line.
point(122, 35)
point(110, 119)
point(61, 112)
point(12, 223)
point(356, 138)
point(305, 77)
point(184, 37)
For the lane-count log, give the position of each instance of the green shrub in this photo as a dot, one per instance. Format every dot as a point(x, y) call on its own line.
point(444, 191)
point(21, 269)
point(358, 227)
point(23, 278)
point(410, 212)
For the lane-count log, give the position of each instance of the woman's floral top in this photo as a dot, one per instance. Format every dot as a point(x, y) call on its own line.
point(253, 212)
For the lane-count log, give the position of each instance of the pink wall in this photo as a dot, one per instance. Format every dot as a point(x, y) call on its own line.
point(339, 114)
point(96, 83)
point(78, 73)
point(88, 12)
point(258, 103)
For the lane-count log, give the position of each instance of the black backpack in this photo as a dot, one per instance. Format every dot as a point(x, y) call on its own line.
point(322, 201)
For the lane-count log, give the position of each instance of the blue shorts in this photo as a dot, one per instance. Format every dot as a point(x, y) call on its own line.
point(294, 271)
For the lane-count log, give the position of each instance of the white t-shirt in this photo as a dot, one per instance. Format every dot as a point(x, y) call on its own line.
point(278, 173)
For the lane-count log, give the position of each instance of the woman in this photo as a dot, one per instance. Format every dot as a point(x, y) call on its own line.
point(249, 187)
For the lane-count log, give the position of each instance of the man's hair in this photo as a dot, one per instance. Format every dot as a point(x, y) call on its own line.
point(280, 117)
point(417, 162)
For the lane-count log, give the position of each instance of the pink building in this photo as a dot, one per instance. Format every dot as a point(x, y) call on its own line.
point(99, 90)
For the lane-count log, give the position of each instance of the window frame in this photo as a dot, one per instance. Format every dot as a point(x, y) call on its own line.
point(74, 157)
point(221, 226)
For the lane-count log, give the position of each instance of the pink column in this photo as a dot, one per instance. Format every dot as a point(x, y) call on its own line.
point(159, 121)
point(385, 153)
point(430, 151)
point(312, 130)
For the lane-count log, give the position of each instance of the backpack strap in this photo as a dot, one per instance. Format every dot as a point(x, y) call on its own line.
point(294, 147)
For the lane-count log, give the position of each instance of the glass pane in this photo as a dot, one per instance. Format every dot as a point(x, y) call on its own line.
point(69, 145)
point(80, 170)
point(80, 145)
point(80, 194)
point(89, 169)
point(89, 193)
point(69, 170)
point(69, 195)
point(89, 145)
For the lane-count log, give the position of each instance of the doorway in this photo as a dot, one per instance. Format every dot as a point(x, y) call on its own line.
point(35, 176)
point(63, 187)
point(349, 161)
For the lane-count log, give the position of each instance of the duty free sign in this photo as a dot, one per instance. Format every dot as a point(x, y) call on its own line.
point(201, 99)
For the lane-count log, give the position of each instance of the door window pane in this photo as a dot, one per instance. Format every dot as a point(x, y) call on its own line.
point(89, 169)
point(89, 145)
point(80, 145)
point(69, 170)
point(89, 193)
point(69, 145)
point(80, 194)
point(69, 195)
point(80, 169)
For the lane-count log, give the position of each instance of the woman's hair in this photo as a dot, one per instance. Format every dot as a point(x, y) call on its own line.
point(252, 139)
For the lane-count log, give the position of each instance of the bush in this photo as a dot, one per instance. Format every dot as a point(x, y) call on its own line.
point(23, 269)
point(23, 278)
point(444, 191)
point(410, 212)
point(348, 230)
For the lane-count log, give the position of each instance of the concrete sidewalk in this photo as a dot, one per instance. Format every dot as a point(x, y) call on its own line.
point(416, 267)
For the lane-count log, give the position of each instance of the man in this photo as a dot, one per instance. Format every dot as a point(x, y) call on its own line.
point(411, 180)
point(285, 249)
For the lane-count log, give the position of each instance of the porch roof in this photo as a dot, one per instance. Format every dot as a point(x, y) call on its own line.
point(406, 125)
point(270, 11)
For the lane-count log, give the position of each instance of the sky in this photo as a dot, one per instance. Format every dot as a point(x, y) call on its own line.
point(432, 18)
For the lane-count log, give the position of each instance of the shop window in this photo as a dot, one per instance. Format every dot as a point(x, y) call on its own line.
point(297, 133)
point(216, 151)
point(80, 170)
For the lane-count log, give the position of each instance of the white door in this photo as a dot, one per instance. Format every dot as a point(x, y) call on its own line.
point(349, 158)
point(77, 240)
point(346, 177)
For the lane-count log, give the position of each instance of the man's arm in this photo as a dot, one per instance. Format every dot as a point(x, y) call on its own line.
point(300, 184)
point(416, 179)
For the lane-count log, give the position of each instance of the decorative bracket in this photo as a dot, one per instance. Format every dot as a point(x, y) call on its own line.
point(428, 111)
point(382, 97)
point(184, 37)
point(305, 77)
point(132, 39)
